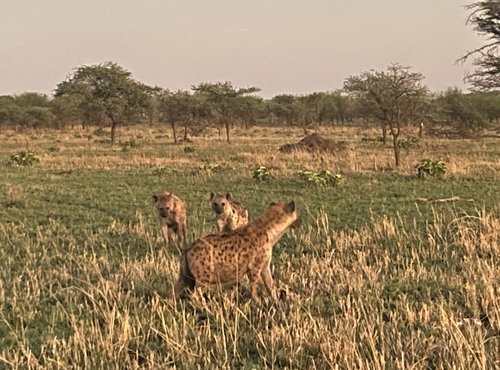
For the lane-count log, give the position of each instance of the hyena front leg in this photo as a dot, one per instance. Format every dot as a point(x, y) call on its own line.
point(220, 226)
point(166, 236)
point(254, 277)
point(181, 236)
point(268, 279)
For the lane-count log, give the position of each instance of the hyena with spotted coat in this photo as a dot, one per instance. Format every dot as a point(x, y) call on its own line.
point(229, 213)
point(226, 258)
point(172, 214)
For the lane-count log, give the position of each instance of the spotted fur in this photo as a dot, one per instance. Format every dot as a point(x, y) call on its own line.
point(226, 258)
point(172, 214)
point(229, 213)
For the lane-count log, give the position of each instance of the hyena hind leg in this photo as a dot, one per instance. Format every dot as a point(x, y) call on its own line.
point(185, 280)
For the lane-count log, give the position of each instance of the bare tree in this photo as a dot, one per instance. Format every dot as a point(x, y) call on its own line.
point(392, 97)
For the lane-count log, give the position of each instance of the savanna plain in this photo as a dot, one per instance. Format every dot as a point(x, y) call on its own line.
point(387, 271)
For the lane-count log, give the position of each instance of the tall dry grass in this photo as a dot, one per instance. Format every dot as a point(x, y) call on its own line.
point(386, 296)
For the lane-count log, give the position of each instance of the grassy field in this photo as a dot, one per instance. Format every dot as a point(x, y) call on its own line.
point(381, 275)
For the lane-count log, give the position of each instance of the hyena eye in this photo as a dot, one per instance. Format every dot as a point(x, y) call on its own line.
point(223, 204)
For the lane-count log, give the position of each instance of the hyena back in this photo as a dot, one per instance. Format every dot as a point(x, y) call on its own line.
point(226, 258)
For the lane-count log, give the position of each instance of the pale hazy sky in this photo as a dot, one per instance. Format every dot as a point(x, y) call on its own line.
point(281, 46)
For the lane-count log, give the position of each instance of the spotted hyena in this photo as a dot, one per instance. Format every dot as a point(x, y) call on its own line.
point(229, 213)
point(172, 213)
point(226, 258)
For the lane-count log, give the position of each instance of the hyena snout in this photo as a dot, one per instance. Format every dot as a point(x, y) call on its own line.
point(218, 208)
point(164, 212)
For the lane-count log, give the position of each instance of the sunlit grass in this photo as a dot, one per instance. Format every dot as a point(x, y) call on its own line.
point(379, 276)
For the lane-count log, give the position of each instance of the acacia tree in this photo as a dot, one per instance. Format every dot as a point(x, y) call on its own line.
point(224, 98)
point(392, 97)
point(249, 109)
point(286, 108)
point(9, 110)
point(66, 110)
point(461, 110)
point(28, 109)
point(110, 89)
point(485, 19)
point(176, 109)
point(311, 104)
point(335, 106)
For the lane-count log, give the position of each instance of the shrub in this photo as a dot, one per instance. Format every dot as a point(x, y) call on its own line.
point(430, 167)
point(24, 158)
point(321, 178)
point(378, 139)
point(261, 173)
point(188, 149)
point(215, 167)
point(407, 143)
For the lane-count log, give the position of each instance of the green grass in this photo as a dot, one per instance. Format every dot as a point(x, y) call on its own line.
point(87, 199)
point(378, 276)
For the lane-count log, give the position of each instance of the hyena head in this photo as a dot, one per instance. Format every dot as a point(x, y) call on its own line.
point(221, 203)
point(284, 213)
point(165, 204)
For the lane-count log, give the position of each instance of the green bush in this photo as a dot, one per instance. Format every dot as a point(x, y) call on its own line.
point(430, 167)
point(407, 143)
point(216, 167)
point(188, 149)
point(24, 158)
point(321, 178)
point(261, 173)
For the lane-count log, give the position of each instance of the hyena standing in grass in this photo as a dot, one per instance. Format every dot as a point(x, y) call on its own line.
point(172, 213)
point(229, 213)
point(226, 258)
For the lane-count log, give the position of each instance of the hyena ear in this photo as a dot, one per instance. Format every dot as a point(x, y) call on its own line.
point(272, 204)
point(290, 207)
point(155, 198)
point(228, 196)
point(212, 195)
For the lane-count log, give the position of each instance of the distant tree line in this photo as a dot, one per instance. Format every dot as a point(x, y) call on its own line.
point(106, 95)
point(393, 99)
